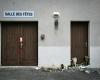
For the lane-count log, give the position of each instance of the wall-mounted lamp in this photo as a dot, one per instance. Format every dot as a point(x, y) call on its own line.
point(56, 16)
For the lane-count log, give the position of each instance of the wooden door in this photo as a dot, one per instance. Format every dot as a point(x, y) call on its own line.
point(79, 41)
point(30, 44)
point(19, 53)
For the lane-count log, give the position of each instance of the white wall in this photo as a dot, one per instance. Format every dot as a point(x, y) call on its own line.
point(57, 41)
point(95, 57)
point(54, 56)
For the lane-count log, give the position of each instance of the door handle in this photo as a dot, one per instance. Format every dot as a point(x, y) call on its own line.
point(21, 42)
point(21, 45)
point(86, 44)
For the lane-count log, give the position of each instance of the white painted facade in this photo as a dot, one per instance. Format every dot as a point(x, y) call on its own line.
point(55, 49)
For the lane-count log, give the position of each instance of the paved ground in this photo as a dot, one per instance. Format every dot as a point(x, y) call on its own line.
point(31, 74)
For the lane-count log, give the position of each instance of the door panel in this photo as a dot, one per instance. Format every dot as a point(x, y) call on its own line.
point(79, 40)
point(9, 55)
point(30, 39)
point(12, 52)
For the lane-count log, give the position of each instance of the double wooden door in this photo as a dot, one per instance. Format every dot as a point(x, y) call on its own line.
point(19, 43)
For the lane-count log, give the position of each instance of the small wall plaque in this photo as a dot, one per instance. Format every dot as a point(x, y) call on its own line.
point(18, 13)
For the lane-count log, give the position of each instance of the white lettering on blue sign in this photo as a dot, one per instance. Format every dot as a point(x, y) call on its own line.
point(18, 13)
